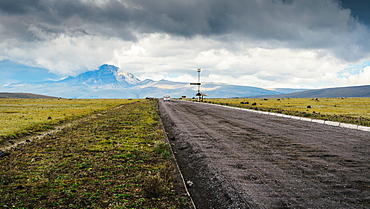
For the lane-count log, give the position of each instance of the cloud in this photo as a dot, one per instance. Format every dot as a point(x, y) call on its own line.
point(299, 22)
point(159, 56)
point(63, 55)
point(356, 77)
point(269, 42)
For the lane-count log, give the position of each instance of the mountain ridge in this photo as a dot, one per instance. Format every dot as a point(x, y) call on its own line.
point(7, 95)
point(347, 91)
point(109, 81)
point(105, 75)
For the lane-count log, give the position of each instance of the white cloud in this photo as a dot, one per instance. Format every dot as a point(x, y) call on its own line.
point(361, 78)
point(156, 55)
point(160, 56)
point(259, 43)
point(64, 55)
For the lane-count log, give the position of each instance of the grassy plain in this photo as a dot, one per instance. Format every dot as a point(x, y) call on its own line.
point(19, 117)
point(117, 159)
point(346, 110)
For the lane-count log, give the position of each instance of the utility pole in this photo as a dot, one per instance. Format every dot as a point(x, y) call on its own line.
point(198, 84)
point(199, 94)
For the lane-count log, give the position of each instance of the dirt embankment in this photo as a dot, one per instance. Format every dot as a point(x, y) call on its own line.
point(239, 159)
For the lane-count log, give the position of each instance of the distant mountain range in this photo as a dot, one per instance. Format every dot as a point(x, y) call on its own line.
point(350, 91)
point(4, 95)
point(112, 82)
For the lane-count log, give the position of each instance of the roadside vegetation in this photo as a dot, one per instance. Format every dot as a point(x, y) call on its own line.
point(19, 117)
point(117, 159)
point(344, 110)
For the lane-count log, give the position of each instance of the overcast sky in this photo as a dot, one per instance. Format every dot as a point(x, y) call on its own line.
point(263, 43)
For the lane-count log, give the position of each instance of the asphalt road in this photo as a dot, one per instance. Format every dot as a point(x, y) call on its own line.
point(239, 159)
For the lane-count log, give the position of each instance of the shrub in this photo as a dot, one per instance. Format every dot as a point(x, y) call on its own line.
point(160, 183)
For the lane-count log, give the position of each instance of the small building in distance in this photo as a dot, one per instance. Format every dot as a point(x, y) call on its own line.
point(201, 95)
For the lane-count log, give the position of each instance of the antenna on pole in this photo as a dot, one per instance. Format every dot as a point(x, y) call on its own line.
point(199, 94)
point(198, 84)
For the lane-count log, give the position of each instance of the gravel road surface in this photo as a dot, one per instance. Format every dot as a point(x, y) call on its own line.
point(239, 159)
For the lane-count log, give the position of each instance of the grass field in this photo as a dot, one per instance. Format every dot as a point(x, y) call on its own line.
point(23, 116)
point(346, 110)
point(117, 159)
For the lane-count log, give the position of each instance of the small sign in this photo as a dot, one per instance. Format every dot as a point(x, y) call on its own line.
point(195, 84)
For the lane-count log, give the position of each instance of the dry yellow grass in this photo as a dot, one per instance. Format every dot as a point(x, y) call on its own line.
point(351, 110)
point(19, 116)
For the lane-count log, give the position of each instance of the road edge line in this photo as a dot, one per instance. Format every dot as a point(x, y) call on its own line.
point(174, 159)
point(325, 122)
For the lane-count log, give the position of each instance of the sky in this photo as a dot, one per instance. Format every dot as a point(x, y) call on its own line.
point(262, 43)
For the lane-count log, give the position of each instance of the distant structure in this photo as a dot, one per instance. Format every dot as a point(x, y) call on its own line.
point(199, 94)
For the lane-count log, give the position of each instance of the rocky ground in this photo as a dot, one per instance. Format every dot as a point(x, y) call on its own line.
point(238, 159)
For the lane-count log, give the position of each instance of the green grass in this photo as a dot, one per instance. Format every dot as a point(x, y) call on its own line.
point(345, 110)
point(20, 117)
point(114, 160)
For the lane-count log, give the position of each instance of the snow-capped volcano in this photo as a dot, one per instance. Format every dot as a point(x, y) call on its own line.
point(122, 75)
point(112, 82)
point(106, 77)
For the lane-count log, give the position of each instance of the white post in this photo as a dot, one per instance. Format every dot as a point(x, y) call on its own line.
point(199, 84)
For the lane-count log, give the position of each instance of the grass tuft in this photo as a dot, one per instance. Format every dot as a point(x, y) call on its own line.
point(160, 183)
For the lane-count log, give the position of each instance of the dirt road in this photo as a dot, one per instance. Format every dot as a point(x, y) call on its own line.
point(238, 159)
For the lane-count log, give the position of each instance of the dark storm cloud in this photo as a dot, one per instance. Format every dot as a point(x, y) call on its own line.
point(290, 23)
point(70, 17)
point(12, 7)
point(272, 19)
point(359, 9)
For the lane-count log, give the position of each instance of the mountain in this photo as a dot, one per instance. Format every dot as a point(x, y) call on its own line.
point(112, 82)
point(350, 91)
point(6, 95)
point(106, 77)
point(106, 82)
point(219, 90)
point(288, 90)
